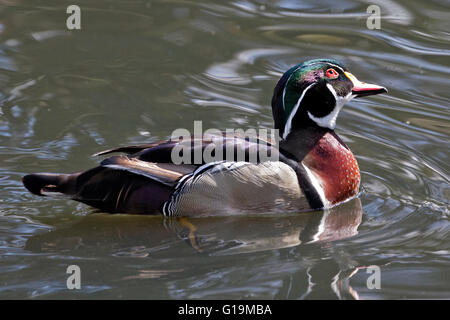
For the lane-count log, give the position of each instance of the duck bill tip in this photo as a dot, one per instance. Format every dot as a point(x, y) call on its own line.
point(362, 89)
point(368, 90)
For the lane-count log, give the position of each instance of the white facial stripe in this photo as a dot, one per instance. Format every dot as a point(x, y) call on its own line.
point(329, 121)
point(336, 66)
point(331, 64)
point(287, 127)
point(284, 89)
point(285, 86)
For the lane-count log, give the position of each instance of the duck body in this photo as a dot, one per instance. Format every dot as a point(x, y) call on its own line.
point(311, 168)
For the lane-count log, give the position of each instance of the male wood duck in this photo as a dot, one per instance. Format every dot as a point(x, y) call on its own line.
point(314, 170)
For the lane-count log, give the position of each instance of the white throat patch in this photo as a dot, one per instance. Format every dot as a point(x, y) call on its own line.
point(329, 121)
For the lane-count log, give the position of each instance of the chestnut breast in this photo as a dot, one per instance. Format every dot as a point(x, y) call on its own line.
point(335, 167)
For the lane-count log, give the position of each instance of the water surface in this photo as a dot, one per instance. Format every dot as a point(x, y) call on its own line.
point(139, 69)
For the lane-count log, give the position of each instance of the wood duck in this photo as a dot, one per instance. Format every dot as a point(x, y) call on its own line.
point(314, 168)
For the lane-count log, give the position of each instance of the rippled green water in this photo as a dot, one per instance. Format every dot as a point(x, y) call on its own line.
point(139, 69)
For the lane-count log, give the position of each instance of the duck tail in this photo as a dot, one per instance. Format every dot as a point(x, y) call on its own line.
point(43, 183)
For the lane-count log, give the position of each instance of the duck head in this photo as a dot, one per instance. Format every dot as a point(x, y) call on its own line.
point(312, 94)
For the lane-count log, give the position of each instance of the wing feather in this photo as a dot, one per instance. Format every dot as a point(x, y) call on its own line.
point(166, 173)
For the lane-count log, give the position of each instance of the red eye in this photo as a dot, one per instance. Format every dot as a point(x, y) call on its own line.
point(331, 73)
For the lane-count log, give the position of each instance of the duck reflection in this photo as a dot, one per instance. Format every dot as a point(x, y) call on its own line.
point(232, 235)
point(177, 241)
point(214, 235)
